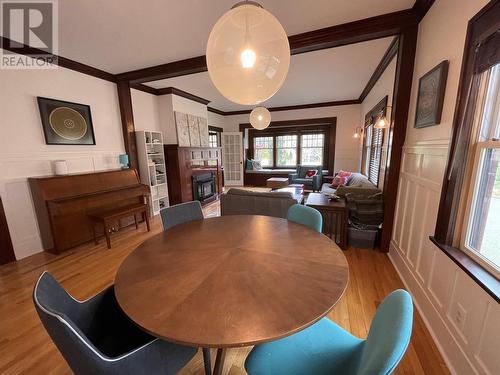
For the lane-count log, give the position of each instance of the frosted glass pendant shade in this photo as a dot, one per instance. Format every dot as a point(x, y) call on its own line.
point(260, 118)
point(248, 54)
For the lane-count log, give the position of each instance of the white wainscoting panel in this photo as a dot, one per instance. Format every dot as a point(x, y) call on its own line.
point(16, 194)
point(462, 318)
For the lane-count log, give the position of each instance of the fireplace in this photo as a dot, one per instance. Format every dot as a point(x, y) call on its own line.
point(204, 186)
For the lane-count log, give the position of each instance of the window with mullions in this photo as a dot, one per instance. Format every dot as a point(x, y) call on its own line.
point(372, 152)
point(213, 139)
point(481, 232)
point(312, 149)
point(286, 150)
point(263, 150)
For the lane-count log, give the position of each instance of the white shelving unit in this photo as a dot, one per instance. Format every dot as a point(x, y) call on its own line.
point(152, 167)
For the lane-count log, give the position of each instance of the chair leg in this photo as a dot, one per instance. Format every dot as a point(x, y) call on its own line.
point(206, 361)
point(136, 223)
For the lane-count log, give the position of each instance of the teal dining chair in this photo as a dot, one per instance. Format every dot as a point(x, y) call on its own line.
point(307, 216)
point(325, 348)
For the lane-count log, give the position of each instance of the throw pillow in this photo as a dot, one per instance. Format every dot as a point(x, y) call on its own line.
point(344, 173)
point(249, 165)
point(338, 181)
point(311, 173)
point(257, 165)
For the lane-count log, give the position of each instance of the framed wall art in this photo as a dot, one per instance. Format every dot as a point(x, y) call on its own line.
point(431, 89)
point(66, 123)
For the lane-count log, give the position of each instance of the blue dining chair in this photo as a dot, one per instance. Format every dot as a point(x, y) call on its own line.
point(308, 216)
point(96, 337)
point(325, 348)
point(181, 213)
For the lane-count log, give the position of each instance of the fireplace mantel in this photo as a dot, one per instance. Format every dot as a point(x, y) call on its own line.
point(185, 162)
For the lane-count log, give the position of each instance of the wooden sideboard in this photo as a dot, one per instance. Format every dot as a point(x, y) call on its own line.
point(185, 162)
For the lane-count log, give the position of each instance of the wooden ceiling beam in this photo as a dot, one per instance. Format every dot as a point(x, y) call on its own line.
point(352, 32)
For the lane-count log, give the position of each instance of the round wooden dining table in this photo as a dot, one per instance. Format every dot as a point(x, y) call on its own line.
point(231, 281)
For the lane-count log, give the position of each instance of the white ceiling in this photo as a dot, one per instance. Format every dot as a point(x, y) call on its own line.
point(118, 36)
point(333, 74)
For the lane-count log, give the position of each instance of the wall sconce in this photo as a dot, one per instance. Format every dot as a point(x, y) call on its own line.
point(381, 123)
point(358, 132)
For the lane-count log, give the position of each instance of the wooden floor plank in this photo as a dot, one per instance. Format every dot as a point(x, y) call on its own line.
point(25, 347)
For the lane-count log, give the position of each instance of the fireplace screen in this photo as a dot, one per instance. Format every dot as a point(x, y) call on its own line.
point(204, 186)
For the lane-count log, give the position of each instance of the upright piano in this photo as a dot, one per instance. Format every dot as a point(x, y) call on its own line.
point(63, 203)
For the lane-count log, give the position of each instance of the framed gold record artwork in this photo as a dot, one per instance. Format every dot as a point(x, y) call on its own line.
point(66, 123)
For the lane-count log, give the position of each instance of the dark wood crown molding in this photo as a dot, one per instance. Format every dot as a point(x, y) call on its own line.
point(217, 111)
point(184, 94)
point(352, 32)
point(144, 88)
point(63, 62)
point(391, 52)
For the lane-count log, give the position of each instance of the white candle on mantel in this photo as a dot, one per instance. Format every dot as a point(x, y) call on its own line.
point(60, 167)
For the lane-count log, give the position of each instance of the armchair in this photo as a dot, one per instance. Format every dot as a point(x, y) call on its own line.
point(299, 177)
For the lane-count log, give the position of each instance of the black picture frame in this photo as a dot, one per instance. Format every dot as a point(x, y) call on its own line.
point(66, 123)
point(430, 96)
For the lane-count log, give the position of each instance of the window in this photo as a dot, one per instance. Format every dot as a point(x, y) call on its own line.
point(481, 234)
point(312, 149)
point(468, 222)
point(213, 139)
point(286, 150)
point(290, 145)
point(372, 152)
point(263, 150)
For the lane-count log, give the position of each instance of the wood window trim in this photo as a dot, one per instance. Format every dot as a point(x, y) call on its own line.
point(298, 131)
point(311, 123)
point(479, 28)
point(219, 131)
point(379, 109)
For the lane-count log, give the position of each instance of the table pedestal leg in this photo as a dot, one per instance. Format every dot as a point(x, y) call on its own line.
point(219, 361)
point(206, 361)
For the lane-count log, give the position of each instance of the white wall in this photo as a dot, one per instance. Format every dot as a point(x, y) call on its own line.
point(346, 146)
point(146, 110)
point(220, 121)
point(383, 87)
point(23, 152)
point(439, 287)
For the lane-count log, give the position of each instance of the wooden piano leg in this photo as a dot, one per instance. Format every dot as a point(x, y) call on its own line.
point(106, 233)
point(95, 235)
point(146, 215)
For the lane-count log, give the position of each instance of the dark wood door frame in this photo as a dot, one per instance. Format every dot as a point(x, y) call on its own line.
point(128, 127)
point(6, 249)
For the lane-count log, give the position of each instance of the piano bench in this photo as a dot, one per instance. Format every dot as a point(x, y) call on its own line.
point(109, 217)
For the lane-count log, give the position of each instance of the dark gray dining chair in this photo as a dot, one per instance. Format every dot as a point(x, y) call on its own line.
point(181, 213)
point(96, 337)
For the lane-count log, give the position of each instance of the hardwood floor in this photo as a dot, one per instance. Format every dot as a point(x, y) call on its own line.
point(25, 347)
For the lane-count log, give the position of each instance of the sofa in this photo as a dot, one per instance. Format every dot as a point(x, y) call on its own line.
point(299, 177)
point(246, 202)
point(364, 200)
point(358, 184)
